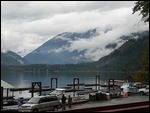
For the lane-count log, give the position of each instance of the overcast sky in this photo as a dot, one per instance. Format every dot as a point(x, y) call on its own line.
point(25, 25)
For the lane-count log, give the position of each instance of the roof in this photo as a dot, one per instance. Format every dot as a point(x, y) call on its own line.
point(60, 89)
point(5, 84)
point(43, 96)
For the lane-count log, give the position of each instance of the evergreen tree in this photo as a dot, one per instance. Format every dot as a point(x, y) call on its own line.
point(143, 7)
point(143, 74)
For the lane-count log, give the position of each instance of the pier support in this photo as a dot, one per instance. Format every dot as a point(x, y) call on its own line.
point(74, 80)
point(74, 83)
point(97, 81)
point(109, 83)
point(7, 94)
point(39, 84)
point(52, 82)
point(1, 97)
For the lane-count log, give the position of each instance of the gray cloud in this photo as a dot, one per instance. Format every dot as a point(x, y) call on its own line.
point(32, 10)
point(95, 47)
point(28, 24)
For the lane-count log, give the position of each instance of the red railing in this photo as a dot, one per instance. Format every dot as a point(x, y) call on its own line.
point(129, 107)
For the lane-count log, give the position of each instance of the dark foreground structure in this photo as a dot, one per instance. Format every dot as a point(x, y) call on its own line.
point(129, 107)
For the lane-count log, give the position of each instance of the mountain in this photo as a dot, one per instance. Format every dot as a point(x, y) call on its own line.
point(127, 57)
point(60, 49)
point(55, 50)
point(11, 58)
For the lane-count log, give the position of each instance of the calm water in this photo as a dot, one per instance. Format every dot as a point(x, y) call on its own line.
point(25, 79)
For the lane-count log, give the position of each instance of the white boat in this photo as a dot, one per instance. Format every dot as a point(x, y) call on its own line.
point(75, 98)
point(60, 91)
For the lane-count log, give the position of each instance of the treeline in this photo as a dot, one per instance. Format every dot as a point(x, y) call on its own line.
point(48, 68)
point(86, 67)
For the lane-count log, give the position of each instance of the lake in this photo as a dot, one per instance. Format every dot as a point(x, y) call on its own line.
point(24, 79)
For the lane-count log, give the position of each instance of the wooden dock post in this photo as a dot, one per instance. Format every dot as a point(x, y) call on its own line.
point(109, 81)
point(52, 82)
point(33, 86)
point(7, 94)
point(75, 83)
point(97, 81)
point(1, 97)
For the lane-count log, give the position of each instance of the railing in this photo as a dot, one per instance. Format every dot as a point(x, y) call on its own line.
point(129, 107)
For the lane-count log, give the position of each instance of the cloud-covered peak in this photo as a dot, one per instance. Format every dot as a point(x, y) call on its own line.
point(68, 47)
point(26, 25)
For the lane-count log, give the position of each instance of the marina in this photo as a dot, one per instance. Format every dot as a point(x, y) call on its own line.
point(74, 56)
point(80, 93)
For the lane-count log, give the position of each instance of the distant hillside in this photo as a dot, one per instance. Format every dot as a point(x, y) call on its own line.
point(61, 49)
point(127, 57)
point(11, 58)
point(55, 50)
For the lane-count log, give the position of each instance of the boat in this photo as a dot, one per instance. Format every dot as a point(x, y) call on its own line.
point(68, 91)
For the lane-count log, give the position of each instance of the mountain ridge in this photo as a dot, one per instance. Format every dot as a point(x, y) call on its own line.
point(58, 50)
point(12, 58)
point(125, 59)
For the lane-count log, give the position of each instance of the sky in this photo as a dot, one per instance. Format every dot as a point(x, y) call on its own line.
point(26, 25)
